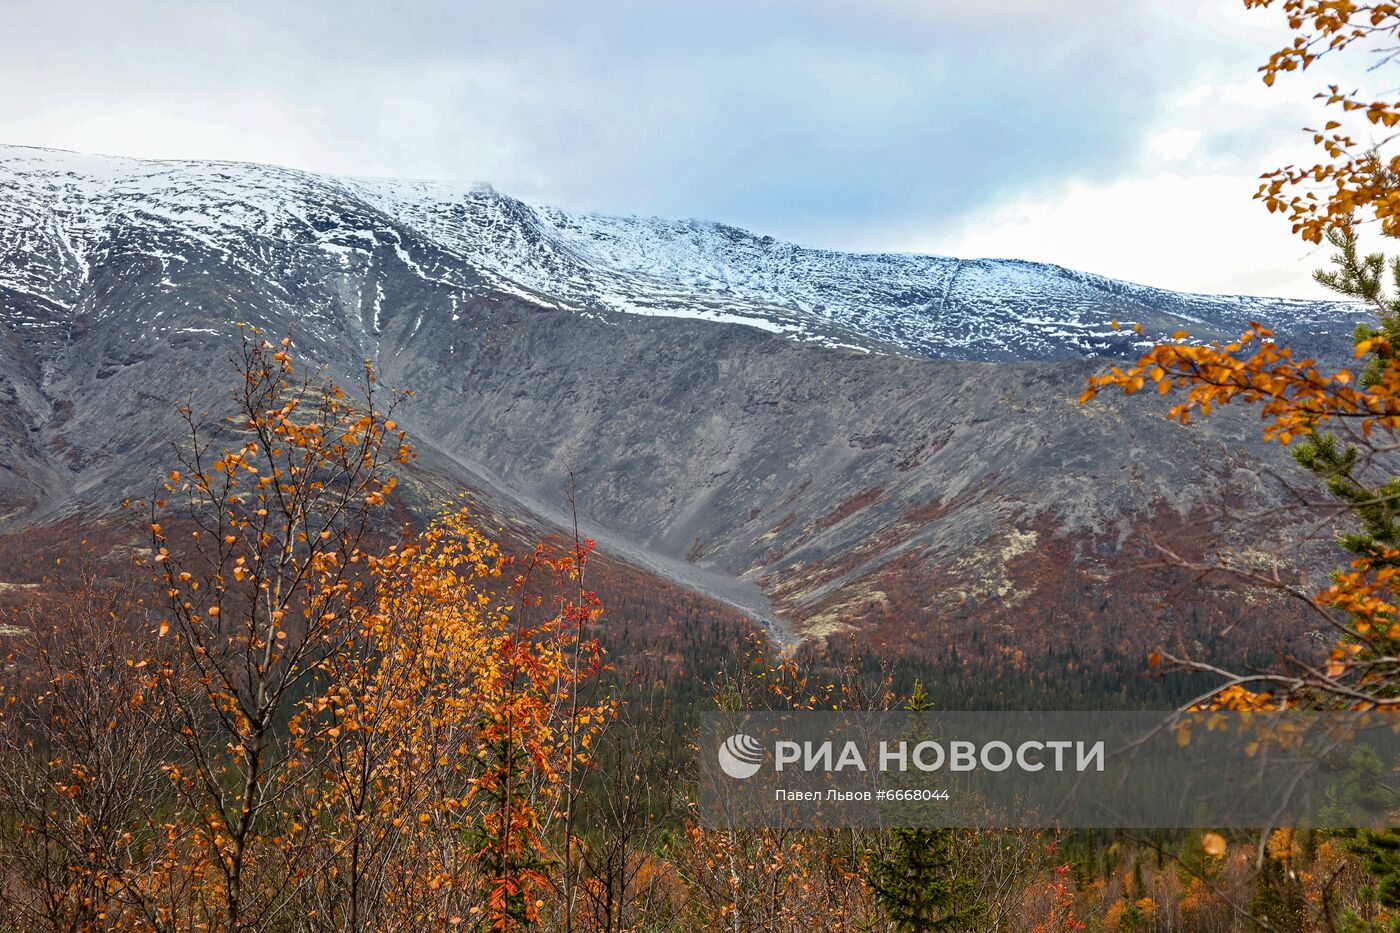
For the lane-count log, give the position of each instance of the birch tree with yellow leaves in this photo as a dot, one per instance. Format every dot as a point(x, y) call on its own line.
point(259, 541)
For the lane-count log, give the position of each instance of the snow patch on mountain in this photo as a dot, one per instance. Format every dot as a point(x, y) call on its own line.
point(61, 213)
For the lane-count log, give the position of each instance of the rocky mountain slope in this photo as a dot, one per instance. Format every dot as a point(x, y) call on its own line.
point(879, 444)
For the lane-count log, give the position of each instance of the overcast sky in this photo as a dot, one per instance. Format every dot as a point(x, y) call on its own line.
point(1117, 136)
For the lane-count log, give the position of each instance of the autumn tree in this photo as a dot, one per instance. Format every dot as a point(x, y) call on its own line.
point(632, 810)
point(258, 541)
point(326, 722)
point(451, 722)
point(393, 727)
point(1342, 424)
point(1354, 179)
point(537, 733)
point(80, 764)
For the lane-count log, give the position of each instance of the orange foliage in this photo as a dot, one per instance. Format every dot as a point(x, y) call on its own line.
point(318, 727)
point(1355, 178)
point(454, 719)
point(1297, 402)
point(1296, 398)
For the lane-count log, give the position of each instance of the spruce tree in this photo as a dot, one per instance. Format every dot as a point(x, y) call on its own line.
point(1278, 900)
point(1380, 854)
point(915, 879)
point(1376, 506)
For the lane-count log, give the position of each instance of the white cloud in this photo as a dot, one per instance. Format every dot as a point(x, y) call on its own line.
point(1200, 232)
point(1124, 138)
point(1177, 142)
point(1181, 215)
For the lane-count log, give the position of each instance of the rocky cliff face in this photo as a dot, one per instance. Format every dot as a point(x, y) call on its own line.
point(879, 443)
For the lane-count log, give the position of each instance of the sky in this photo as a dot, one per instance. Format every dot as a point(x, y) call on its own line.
point(1123, 137)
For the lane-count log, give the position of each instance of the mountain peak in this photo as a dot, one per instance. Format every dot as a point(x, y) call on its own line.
point(59, 210)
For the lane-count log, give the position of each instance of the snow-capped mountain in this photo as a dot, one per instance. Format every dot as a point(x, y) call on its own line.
point(62, 212)
point(904, 491)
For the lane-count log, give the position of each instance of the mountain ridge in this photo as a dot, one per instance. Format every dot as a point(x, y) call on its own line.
point(830, 474)
point(938, 307)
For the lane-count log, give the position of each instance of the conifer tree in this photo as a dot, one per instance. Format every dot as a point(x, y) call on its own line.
point(915, 878)
point(1278, 900)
